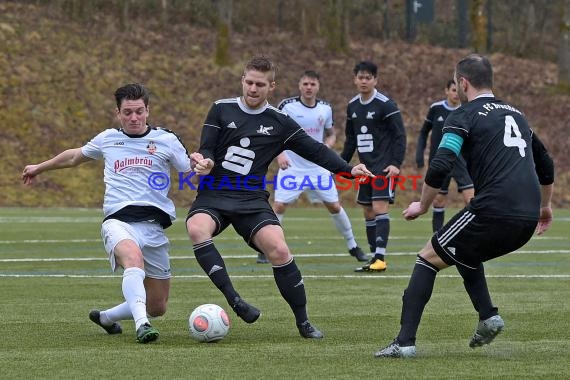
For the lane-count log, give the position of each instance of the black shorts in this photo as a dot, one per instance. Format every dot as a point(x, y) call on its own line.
point(246, 215)
point(462, 178)
point(468, 239)
point(378, 188)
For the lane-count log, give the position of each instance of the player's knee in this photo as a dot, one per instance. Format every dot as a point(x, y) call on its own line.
point(334, 208)
point(156, 309)
point(439, 201)
point(280, 253)
point(279, 208)
point(197, 232)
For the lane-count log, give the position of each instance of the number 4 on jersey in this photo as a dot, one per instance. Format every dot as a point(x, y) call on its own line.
point(509, 140)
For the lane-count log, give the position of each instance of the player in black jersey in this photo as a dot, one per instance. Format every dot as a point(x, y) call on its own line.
point(435, 118)
point(240, 138)
point(375, 128)
point(513, 176)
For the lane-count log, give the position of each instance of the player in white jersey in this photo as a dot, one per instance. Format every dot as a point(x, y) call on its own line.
point(136, 207)
point(297, 175)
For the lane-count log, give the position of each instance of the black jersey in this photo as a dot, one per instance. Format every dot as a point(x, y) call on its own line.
point(242, 143)
point(376, 130)
point(433, 123)
point(497, 146)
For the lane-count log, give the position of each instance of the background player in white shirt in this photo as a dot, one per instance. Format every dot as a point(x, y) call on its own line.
point(136, 207)
point(315, 117)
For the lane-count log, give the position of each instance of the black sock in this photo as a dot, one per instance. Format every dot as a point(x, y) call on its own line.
point(212, 263)
point(415, 298)
point(382, 222)
point(438, 218)
point(476, 286)
point(371, 234)
point(290, 284)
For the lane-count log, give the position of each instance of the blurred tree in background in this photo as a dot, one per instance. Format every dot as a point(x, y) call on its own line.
point(524, 28)
point(564, 48)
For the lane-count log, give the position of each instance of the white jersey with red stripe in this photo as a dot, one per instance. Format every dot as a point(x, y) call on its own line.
point(314, 120)
point(137, 167)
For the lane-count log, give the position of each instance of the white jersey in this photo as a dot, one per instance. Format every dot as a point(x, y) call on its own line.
point(314, 120)
point(130, 163)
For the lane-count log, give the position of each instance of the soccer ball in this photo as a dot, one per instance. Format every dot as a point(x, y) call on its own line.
point(209, 323)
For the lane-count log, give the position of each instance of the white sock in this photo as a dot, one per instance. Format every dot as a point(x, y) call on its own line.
point(342, 224)
point(135, 294)
point(280, 217)
point(381, 251)
point(115, 314)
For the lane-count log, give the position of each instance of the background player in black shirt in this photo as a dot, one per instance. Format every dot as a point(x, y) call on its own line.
point(513, 176)
point(375, 128)
point(240, 138)
point(435, 118)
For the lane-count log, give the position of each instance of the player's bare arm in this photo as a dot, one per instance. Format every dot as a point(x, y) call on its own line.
point(545, 218)
point(66, 159)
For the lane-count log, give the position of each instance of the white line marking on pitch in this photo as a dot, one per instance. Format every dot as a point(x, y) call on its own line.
point(253, 277)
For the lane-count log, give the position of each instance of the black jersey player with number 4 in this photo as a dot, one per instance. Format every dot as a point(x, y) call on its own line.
point(240, 138)
point(513, 176)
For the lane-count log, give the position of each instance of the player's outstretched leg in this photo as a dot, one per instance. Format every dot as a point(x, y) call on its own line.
point(112, 329)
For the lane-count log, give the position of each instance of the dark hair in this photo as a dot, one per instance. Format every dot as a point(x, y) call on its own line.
point(449, 83)
point(366, 66)
point(132, 91)
point(261, 64)
point(311, 74)
point(477, 70)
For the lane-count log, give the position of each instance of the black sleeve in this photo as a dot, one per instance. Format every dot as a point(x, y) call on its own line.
point(396, 123)
point(439, 167)
point(543, 163)
point(314, 151)
point(349, 142)
point(422, 143)
point(210, 132)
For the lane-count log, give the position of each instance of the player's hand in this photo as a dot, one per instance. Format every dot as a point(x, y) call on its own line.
point(195, 158)
point(413, 211)
point(283, 161)
point(204, 166)
point(30, 172)
point(391, 171)
point(544, 221)
point(360, 170)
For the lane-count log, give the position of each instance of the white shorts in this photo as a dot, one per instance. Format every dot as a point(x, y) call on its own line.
point(148, 236)
point(319, 187)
